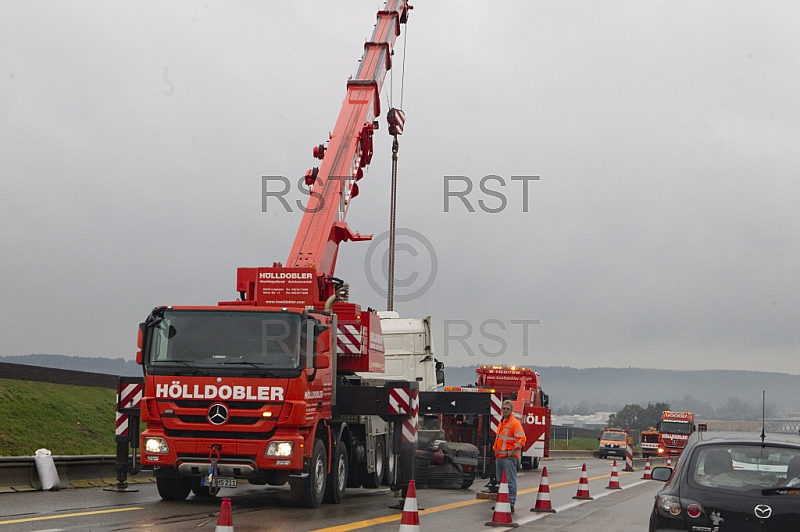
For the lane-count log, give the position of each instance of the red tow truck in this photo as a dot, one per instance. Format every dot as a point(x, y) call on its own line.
point(673, 432)
point(522, 386)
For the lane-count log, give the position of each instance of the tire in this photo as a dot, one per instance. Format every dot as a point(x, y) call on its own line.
point(337, 478)
point(421, 474)
point(309, 491)
point(174, 488)
point(390, 476)
point(535, 462)
point(467, 480)
point(527, 462)
point(373, 480)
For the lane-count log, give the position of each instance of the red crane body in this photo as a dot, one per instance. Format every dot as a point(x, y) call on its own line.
point(264, 387)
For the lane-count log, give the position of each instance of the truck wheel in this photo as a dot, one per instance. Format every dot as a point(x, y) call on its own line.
point(535, 464)
point(373, 480)
point(526, 462)
point(337, 479)
point(174, 488)
point(421, 474)
point(467, 480)
point(310, 490)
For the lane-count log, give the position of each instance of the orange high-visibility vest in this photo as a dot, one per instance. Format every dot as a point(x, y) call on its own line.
point(509, 434)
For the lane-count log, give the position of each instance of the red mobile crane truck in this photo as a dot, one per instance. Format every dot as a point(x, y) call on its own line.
point(673, 432)
point(264, 388)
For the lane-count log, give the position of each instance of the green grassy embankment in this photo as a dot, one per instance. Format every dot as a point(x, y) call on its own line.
point(67, 420)
point(79, 420)
point(574, 444)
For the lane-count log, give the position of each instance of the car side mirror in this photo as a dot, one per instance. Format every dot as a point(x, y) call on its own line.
point(662, 474)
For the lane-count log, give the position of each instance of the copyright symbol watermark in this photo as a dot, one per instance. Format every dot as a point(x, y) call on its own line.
point(423, 264)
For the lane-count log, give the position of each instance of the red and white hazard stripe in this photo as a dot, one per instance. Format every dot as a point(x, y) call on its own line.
point(130, 395)
point(349, 340)
point(497, 413)
point(410, 424)
point(399, 401)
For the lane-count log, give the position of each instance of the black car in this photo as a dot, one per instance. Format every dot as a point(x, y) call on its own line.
point(731, 482)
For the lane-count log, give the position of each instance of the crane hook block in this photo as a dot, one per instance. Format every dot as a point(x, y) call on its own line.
point(396, 119)
point(311, 176)
point(319, 151)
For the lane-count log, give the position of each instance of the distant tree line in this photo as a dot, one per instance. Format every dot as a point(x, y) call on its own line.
point(637, 417)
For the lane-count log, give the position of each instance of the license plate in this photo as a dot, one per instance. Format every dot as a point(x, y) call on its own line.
point(221, 482)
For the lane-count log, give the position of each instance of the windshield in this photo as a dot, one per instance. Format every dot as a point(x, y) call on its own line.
point(203, 339)
point(613, 436)
point(739, 468)
point(676, 427)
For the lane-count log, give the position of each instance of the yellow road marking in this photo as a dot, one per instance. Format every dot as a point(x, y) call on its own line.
point(452, 506)
point(62, 516)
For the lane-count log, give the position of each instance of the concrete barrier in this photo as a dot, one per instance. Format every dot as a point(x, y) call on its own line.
point(19, 473)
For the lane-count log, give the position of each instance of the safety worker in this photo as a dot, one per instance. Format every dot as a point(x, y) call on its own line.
point(508, 447)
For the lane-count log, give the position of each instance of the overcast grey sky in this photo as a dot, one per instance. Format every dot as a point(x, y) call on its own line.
point(662, 232)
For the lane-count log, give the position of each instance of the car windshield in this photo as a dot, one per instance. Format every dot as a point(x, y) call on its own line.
point(676, 427)
point(613, 436)
point(203, 339)
point(738, 467)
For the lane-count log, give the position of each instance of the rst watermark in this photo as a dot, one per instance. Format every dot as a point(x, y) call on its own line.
point(274, 188)
point(416, 257)
point(491, 336)
point(460, 187)
point(459, 193)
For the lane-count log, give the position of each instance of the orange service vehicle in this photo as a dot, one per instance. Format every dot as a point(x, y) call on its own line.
point(648, 441)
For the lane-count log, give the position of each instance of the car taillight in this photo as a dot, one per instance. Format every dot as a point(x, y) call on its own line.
point(694, 510)
point(669, 504)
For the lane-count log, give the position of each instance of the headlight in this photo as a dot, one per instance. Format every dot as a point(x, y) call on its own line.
point(280, 448)
point(669, 504)
point(156, 445)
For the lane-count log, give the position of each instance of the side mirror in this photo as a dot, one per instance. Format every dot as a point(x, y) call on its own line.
point(661, 474)
point(323, 361)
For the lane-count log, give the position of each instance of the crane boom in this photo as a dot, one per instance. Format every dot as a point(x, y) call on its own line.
point(311, 263)
point(349, 151)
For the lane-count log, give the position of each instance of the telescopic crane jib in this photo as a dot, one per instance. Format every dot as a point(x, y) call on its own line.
point(335, 182)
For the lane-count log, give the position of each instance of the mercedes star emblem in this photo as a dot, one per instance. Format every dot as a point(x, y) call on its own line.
point(218, 414)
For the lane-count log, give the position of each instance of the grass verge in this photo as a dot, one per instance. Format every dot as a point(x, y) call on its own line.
point(67, 420)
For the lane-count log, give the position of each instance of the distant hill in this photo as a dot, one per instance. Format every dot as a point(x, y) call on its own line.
point(721, 394)
point(108, 366)
point(713, 394)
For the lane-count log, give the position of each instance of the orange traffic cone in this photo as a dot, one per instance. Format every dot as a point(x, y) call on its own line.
point(646, 475)
point(224, 522)
point(502, 507)
point(543, 498)
point(669, 461)
point(583, 486)
point(613, 482)
point(410, 520)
